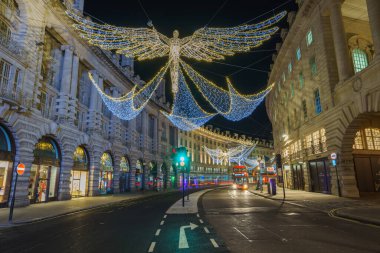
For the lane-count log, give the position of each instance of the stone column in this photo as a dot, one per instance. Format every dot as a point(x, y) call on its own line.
point(24, 155)
point(345, 69)
point(93, 181)
point(373, 7)
point(132, 180)
point(116, 173)
point(94, 114)
point(74, 77)
point(64, 191)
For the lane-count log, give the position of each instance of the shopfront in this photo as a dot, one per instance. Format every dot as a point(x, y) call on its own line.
point(124, 175)
point(6, 165)
point(79, 173)
point(298, 177)
point(320, 177)
point(287, 176)
point(152, 175)
point(139, 175)
point(106, 174)
point(45, 171)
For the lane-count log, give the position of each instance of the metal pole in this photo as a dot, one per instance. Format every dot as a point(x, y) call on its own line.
point(13, 198)
point(283, 182)
point(183, 188)
point(188, 183)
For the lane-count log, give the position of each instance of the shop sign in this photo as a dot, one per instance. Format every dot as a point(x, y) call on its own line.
point(333, 156)
point(20, 169)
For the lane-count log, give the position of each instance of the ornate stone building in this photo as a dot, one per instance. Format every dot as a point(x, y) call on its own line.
point(203, 168)
point(53, 120)
point(326, 97)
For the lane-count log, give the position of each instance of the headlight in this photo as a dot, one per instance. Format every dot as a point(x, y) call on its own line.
point(234, 186)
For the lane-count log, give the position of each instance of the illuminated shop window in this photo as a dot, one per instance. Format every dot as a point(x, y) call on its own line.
point(360, 60)
point(367, 139)
point(358, 142)
point(298, 54)
point(290, 67)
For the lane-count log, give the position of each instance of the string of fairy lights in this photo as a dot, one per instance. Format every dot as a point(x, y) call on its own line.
point(206, 44)
point(238, 154)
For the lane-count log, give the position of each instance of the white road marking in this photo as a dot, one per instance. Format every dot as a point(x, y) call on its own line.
point(158, 232)
point(162, 222)
point(206, 230)
point(214, 243)
point(151, 248)
point(201, 221)
point(198, 215)
point(242, 234)
point(183, 244)
point(282, 239)
point(165, 216)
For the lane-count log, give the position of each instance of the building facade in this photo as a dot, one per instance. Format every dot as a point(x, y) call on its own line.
point(326, 97)
point(203, 168)
point(53, 120)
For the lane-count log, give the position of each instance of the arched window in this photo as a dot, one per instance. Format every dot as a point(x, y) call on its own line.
point(106, 162)
point(124, 164)
point(360, 59)
point(367, 139)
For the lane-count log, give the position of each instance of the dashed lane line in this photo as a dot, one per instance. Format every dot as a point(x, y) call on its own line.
point(162, 222)
point(242, 234)
point(165, 216)
point(201, 221)
point(198, 215)
point(206, 230)
point(158, 232)
point(151, 247)
point(214, 243)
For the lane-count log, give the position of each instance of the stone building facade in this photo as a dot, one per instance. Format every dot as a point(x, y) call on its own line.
point(326, 97)
point(53, 120)
point(203, 168)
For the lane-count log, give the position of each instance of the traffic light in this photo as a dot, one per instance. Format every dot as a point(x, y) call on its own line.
point(180, 157)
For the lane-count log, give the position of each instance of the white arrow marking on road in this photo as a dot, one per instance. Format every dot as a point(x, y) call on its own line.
point(182, 236)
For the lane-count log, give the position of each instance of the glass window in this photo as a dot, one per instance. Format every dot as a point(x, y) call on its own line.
point(5, 33)
point(290, 67)
point(301, 80)
point(360, 60)
point(358, 142)
point(317, 101)
point(298, 54)
point(5, 71)
point(372, 136)
point(313, 66)
point(309, 38)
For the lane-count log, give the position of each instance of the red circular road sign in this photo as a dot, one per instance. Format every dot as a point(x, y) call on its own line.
point(20, 169)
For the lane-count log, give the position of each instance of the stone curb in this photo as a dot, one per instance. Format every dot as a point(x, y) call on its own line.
point(93, 207)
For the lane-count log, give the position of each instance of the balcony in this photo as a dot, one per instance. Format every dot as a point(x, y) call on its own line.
point(16, 98)
point(13, 48)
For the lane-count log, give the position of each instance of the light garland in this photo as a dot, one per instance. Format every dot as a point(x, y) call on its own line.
point(237, 154)
point(206, 44)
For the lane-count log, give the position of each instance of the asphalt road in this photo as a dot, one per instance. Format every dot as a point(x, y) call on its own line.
point(248, 223)
point(137, 226)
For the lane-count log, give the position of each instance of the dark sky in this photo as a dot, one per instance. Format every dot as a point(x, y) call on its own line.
point(188, 16)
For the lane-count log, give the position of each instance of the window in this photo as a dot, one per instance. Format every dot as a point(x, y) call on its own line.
point(358, 142)
point(279, 86)
point(5, 68)
point(292, 90)
point(304, 109)
point(290, 67)
point(283, 77)
point(317, 100)
point(301, 80)
point(309, 38)
point(298, 54)
point(360, 60)
point(313, 66)
point(5, 33)
point(371, 137)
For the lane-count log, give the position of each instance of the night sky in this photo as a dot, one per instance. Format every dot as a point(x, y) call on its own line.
point(188, 16)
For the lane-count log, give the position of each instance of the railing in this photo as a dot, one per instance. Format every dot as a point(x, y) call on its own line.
point(16, 96)
point(13, 47)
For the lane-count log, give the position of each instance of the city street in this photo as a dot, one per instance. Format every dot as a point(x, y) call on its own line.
point(228, 221)
point(248, 223)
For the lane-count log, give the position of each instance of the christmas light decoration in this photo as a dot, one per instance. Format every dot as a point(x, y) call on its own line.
point(206, 44)
point(237, 154)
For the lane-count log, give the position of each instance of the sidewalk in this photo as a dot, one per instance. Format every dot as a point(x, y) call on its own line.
point(52, 209)
point(366, 210)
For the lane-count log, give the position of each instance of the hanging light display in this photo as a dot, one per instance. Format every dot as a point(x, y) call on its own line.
point(206, 44)
point(238, 154)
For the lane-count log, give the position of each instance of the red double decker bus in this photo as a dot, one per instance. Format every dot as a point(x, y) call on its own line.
point(240, 177)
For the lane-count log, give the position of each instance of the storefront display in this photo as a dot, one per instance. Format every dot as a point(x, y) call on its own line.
point(79, 173)
point(106, 174)
point(320, 176)
point(124, 175)
point(43, 180)
point(6, 165)
point(139, 175)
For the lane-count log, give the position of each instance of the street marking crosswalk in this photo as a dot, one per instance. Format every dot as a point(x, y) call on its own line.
point(214, 243)
point(151, 248)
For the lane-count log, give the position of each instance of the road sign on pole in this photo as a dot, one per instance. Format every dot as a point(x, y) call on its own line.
point(20, 169)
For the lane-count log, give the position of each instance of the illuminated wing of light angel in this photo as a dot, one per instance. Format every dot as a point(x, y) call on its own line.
point(208, 44)
point(141, 43)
